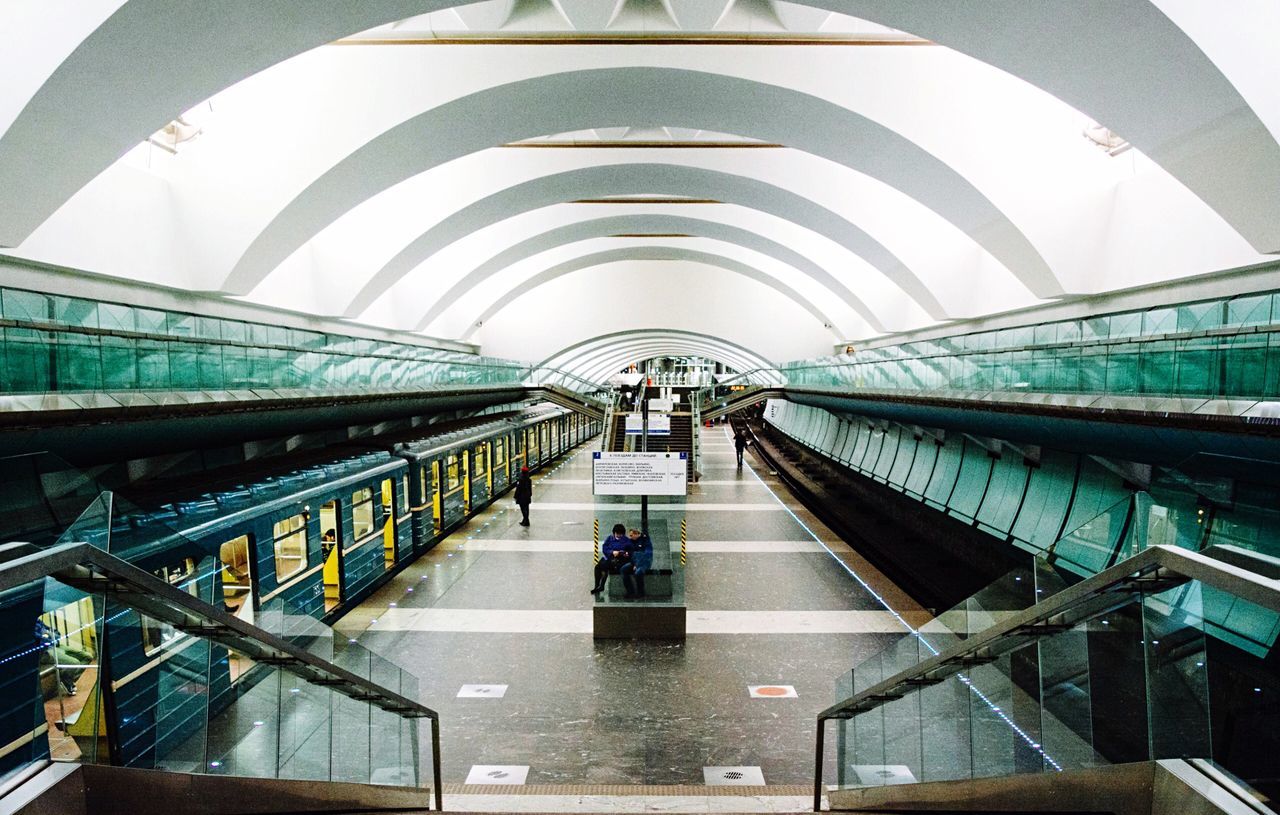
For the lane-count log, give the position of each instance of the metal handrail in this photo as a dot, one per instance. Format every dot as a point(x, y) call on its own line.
point(734, 401)
point(1155, 568)
point(92, 570)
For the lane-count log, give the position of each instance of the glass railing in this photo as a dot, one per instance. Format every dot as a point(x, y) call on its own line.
point(1213, 349)
point(542, 376)
point(50, 343)
point(101, 681)
point(1128, 679)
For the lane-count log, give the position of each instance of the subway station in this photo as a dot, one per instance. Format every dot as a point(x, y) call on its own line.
point(619, 406)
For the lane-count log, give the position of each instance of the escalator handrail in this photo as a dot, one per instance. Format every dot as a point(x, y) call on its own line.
point(1157, 567)
point(92, 569)
point(1161, 562)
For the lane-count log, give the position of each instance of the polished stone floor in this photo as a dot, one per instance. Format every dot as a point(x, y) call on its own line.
point(773, 596)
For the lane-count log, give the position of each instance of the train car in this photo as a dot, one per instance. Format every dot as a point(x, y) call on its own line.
point(307, 535)
point(455, 474)
point(301, 543)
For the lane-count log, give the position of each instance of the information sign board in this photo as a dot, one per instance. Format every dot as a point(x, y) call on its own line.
point(659, 424)
point(639, 473)
point(661, 405)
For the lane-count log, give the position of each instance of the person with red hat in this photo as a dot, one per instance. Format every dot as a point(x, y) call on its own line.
point(524, 494)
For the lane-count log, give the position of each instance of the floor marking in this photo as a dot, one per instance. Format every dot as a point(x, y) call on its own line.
point(772, 691)
point(878, 775)
point(572, 621)
point(593, 804)
point(586, 482)
point(733, 776)
point(653, 507)
point(735, 547)
point(482, 692)
point(498, 774)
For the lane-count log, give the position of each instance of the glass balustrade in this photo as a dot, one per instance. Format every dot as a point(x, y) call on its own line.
point(51, 343)
point(1133, 681)
point(1214, 349)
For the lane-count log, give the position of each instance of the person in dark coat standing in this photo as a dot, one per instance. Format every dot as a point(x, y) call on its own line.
point(740, 444)
point(524, 494)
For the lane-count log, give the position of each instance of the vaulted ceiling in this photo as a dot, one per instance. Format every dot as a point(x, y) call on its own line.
point(588, 180)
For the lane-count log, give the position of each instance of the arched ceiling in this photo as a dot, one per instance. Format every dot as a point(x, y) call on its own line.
point(925, 162)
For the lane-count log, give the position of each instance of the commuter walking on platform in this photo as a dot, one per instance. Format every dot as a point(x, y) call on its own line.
point(740, 444)
point(615, 553)
point(524, 494)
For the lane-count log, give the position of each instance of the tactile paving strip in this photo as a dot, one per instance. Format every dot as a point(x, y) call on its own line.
point(634, 789)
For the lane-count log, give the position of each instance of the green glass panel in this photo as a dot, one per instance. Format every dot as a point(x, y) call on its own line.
point(26, 306)
point(119, 364)
point(79, 365)
point(115, 317)
point(29, 360)
point(1125, 325)
point(1158, 368)
point(1200, 316)
point(75, 312)
point(1159, 321)
point(975, 470)
point(150, 321)
point(182, 325)
point(184, 371)
point(153, 365)
point(1249, 311)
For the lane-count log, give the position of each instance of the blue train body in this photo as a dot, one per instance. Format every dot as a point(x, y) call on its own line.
point(311, 541)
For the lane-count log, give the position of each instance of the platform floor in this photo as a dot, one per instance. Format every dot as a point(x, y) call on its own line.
point(773, 600)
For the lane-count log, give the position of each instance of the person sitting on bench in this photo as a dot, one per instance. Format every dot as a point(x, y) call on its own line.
point(615, 552)
point(641, 561)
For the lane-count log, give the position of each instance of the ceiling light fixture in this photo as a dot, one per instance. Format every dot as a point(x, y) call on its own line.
point(1106, 139)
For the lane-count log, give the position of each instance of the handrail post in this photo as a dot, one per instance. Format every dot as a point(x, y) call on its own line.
point(435, 764)
point(817, 764)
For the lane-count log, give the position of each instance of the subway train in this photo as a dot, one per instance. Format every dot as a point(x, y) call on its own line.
point(309, 536)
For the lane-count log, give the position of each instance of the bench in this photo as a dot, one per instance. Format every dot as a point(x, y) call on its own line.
point(660, 614)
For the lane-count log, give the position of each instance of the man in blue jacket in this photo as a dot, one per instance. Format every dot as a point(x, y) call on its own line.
point(640, 563)
point(614, 553)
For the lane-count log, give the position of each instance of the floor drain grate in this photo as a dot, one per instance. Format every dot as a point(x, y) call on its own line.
point(735, 776)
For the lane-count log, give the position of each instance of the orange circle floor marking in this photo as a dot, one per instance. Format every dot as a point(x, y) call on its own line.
point(771, 691)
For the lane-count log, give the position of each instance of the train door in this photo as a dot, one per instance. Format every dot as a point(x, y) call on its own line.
point(544, 442)
point(67, 638)
point(437, 497)
point(466, 482)
point(486, 450)
point(388, 523)
point(237, 578)
point(531, 447)
point(331, 553)
point(499, 466)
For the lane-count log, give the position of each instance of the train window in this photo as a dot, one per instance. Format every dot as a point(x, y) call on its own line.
point(478, 458)
point(290, 536)
point(237, 581)
point(422, 484)
point(155, 634)
point(330, 524)
point(499, 452)
point(403, 503)
point(361, 513)
point(451, 470)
